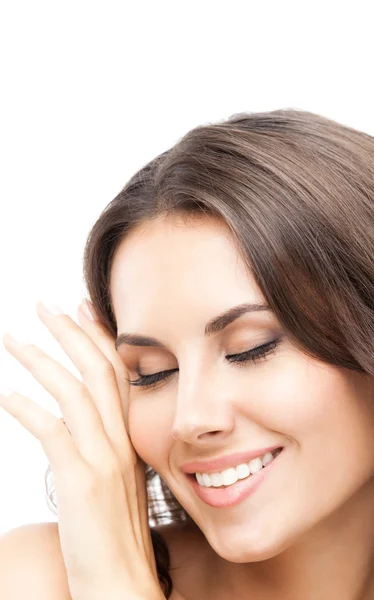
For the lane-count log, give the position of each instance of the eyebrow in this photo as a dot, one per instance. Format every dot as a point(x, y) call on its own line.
point(214, 326)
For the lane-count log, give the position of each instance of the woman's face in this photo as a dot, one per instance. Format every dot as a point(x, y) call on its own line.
point(168, 280)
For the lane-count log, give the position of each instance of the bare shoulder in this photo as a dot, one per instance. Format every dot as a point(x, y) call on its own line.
point(189, 554)
point(32, 566)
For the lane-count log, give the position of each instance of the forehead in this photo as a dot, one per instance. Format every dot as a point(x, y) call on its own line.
point(171, 261)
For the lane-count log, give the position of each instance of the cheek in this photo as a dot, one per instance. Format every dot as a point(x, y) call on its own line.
point(324, 409)
point(149, 430)
point(308, 401)
point(291, 397)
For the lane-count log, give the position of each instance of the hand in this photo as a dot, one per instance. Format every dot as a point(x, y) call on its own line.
point(99, 479)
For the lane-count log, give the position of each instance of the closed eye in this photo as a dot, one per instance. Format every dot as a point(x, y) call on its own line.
point(255, 354)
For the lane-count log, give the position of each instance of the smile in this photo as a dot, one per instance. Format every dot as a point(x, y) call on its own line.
point(230, 494)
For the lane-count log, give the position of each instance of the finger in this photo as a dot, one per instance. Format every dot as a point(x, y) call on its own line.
point(76, 405)
point(105, 343)
point(53, 435)
point(98, 373)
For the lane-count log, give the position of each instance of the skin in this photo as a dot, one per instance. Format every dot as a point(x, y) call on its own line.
point(308, 530)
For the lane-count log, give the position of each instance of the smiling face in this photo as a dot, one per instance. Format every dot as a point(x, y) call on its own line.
point(168, 280)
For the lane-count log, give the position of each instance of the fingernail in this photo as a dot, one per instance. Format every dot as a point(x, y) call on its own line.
point(18, 339)
point(51, 308)
point(88, 309)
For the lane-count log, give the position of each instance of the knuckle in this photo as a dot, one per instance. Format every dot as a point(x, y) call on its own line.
point(83, 392)
point(53, 428)
point(38, 361)
point(103, 368)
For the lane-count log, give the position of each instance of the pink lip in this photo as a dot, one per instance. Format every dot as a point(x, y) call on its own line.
point(229, 496)
point(225, 462)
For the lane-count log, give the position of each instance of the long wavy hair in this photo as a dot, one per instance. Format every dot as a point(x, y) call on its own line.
point(297, 191)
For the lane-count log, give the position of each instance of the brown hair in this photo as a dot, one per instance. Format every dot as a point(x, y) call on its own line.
point(296, 190)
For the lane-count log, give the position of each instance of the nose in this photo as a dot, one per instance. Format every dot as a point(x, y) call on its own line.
point(203, 412)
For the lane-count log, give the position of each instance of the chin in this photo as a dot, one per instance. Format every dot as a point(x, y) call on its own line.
point(247, 546)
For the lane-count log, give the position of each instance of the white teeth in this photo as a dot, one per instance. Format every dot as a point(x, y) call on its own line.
point(199, 478)
point(216, 479)
point(267, 458)
point(255, 465)
point(231, 475)
point(243, 471)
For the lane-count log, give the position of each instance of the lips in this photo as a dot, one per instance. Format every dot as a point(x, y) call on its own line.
point(225, 497)
point(225, 462)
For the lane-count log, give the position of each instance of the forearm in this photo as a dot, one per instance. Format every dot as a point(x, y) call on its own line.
point(122, 594)
point(117, 580)
point(122, 591)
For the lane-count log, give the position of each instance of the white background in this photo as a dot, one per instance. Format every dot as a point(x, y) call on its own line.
point(90, 92)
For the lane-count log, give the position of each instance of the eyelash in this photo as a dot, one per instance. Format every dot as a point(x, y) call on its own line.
point(240, 360)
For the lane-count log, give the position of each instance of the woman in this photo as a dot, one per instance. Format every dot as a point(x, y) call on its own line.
point(236, 272)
